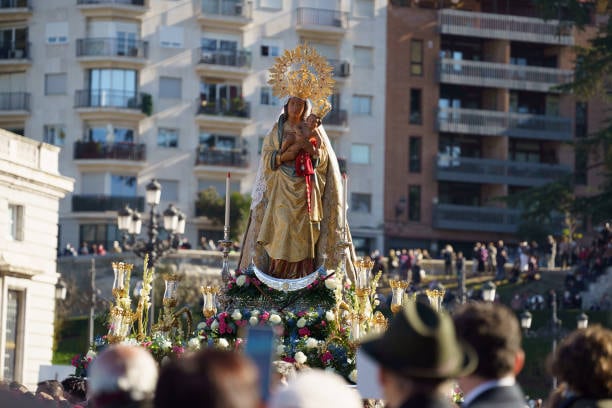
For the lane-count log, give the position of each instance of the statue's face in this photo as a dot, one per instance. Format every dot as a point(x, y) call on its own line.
point(295, 108)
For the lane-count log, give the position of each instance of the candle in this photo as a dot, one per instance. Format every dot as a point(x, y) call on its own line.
point(343, 213)
point(227, 201)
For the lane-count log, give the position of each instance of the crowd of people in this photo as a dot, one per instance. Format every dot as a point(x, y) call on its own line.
point(421, 358)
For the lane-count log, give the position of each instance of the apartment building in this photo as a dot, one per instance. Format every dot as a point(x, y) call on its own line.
point(176, 90)
point(472, 116)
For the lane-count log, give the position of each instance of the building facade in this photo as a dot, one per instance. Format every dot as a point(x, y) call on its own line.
point(472, 116)
point(30, 190)
point(176, 90)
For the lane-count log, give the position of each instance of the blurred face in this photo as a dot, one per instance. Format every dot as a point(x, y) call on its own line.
point(295, 108)
point(311, 121)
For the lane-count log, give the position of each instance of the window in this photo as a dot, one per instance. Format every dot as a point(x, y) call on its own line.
point(171, 37)
point(270, 48)
point(416, 117)
point(363, 56)
point(581, 122)
point(14, 320)
point(217, 142)
point(54, 134)
point(218, 186)
point(110, 134)
point(220, 97)
point(414, 155)
point(216, 44)
point(169, 191)
point(16, 219)
point(526, 151)
point(123, 186)
point(416, 57)
point(267, 98)
point(360, 153)
point(112, 87)
point(167, 137)
point(271, 4)
point(14, 42)
point(414, 203)
point(170, 87)
point(362, 105)
point(361, 202)
point(581, 160)
point(363, 8)
point(55, 84)
point(104, 234)
point(56, 33)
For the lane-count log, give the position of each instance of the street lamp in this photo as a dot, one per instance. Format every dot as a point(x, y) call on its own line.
point(582, 321)
point(526, 321)
point(60, 290)
point(488, 291)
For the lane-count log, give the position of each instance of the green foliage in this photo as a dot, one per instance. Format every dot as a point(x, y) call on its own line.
point(212, 205)
point(147, 104)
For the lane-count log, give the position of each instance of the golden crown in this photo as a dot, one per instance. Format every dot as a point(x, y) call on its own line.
point(321, 107)
point(303, 73)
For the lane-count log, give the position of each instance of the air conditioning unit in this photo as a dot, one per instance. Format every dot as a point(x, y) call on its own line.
point(345, 69)
point(238, 9)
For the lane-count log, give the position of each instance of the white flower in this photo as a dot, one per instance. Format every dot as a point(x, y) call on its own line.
point(201, 326)
point(330, 316)
point(130, 341)
point(376, 302)
point(311, 343)
point(300, 357)
point(301, 322)
point(280, 349)
point(253, 321)
point(166, 344)
point(90, 354)
point(241, 280)
point(223, 343)
point(193, 344)
point(331, 283)
point(330, 370)
point(353, 376)
point(236, 315)
point(214, 325)
point(255, 312)
point(275, 319)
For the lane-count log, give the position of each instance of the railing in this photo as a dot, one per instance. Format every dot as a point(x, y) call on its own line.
point(116, 151)
point(501, 75)
point(111, 47)
point(505, 27)
point(228, 58)
point(322, 17)
point(89, 203)
point(337, 117)
point(230, 8)
point(107, 98)
point(240, 110)
point(496, 171)
point(488, 122)
point(10, 101)
point(128, 2)
point(471, 218)
point(221, 157)
point(8, 4)
point(13, 50)
point(342, 69)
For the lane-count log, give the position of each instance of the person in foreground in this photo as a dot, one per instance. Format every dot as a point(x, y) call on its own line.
point(583, 365)
point(493, 331)
point(417, 355)
point(122, 376)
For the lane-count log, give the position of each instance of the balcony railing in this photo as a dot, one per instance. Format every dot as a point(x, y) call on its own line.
point(111, 47)
point(492, 123)
point(506, 27)
point(322, 17)
point(509, 76)
point(469, 169)
point(115, 151)
point(471, 218)
point(107, 98)
point(11, 101)
point(10, 4)
point(239, 110)
point(237, 59)
point(221, 157)
point(342, 69)
point(127, 2)
point(100, 203)
point(230, 8)
point(12, 50)
point(336, 118)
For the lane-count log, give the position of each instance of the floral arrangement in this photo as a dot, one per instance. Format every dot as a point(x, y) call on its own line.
point(81, 362)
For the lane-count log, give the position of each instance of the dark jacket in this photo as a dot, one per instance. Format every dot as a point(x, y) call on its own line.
point(579, 402)
point(426, 401)
point(499, 397)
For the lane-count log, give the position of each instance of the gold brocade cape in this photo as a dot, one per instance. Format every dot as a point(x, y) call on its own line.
point(279, 226)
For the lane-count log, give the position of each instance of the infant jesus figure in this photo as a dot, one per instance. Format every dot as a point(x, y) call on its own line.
point(303, 146)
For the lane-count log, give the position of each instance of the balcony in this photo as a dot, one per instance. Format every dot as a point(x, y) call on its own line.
point(14, 106)
point(112, 52)
point(110, 151)
point(13, 10)
point(95, 104)
point(113, 8)
point(491, 171)
point(495, 75)
point(505, 27)
point(470, 218)
point(321, 24)
point(234, 15)
point(102, 203)
point(224, 64)
point(211, 162)
point(496, 123)
point(342, 69)
point(224, 117)
point(14, 56)
point(336, 122)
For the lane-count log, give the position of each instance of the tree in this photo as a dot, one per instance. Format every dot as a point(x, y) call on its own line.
point(212, 205)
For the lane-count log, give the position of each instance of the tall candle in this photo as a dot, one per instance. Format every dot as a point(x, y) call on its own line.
point(227, 201)
point(344, 201)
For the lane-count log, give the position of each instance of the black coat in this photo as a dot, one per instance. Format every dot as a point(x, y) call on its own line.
point(499, 397)
point(426, 401)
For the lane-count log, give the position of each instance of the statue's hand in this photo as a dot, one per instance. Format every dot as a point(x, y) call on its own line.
point(290, 154)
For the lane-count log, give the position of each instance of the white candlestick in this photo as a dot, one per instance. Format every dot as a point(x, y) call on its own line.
point(227, 201)
point(344, 201)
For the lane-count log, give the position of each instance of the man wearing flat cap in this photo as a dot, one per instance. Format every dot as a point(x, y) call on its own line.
point(417, 355)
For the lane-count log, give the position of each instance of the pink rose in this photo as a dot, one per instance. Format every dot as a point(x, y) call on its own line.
point(304, 332)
